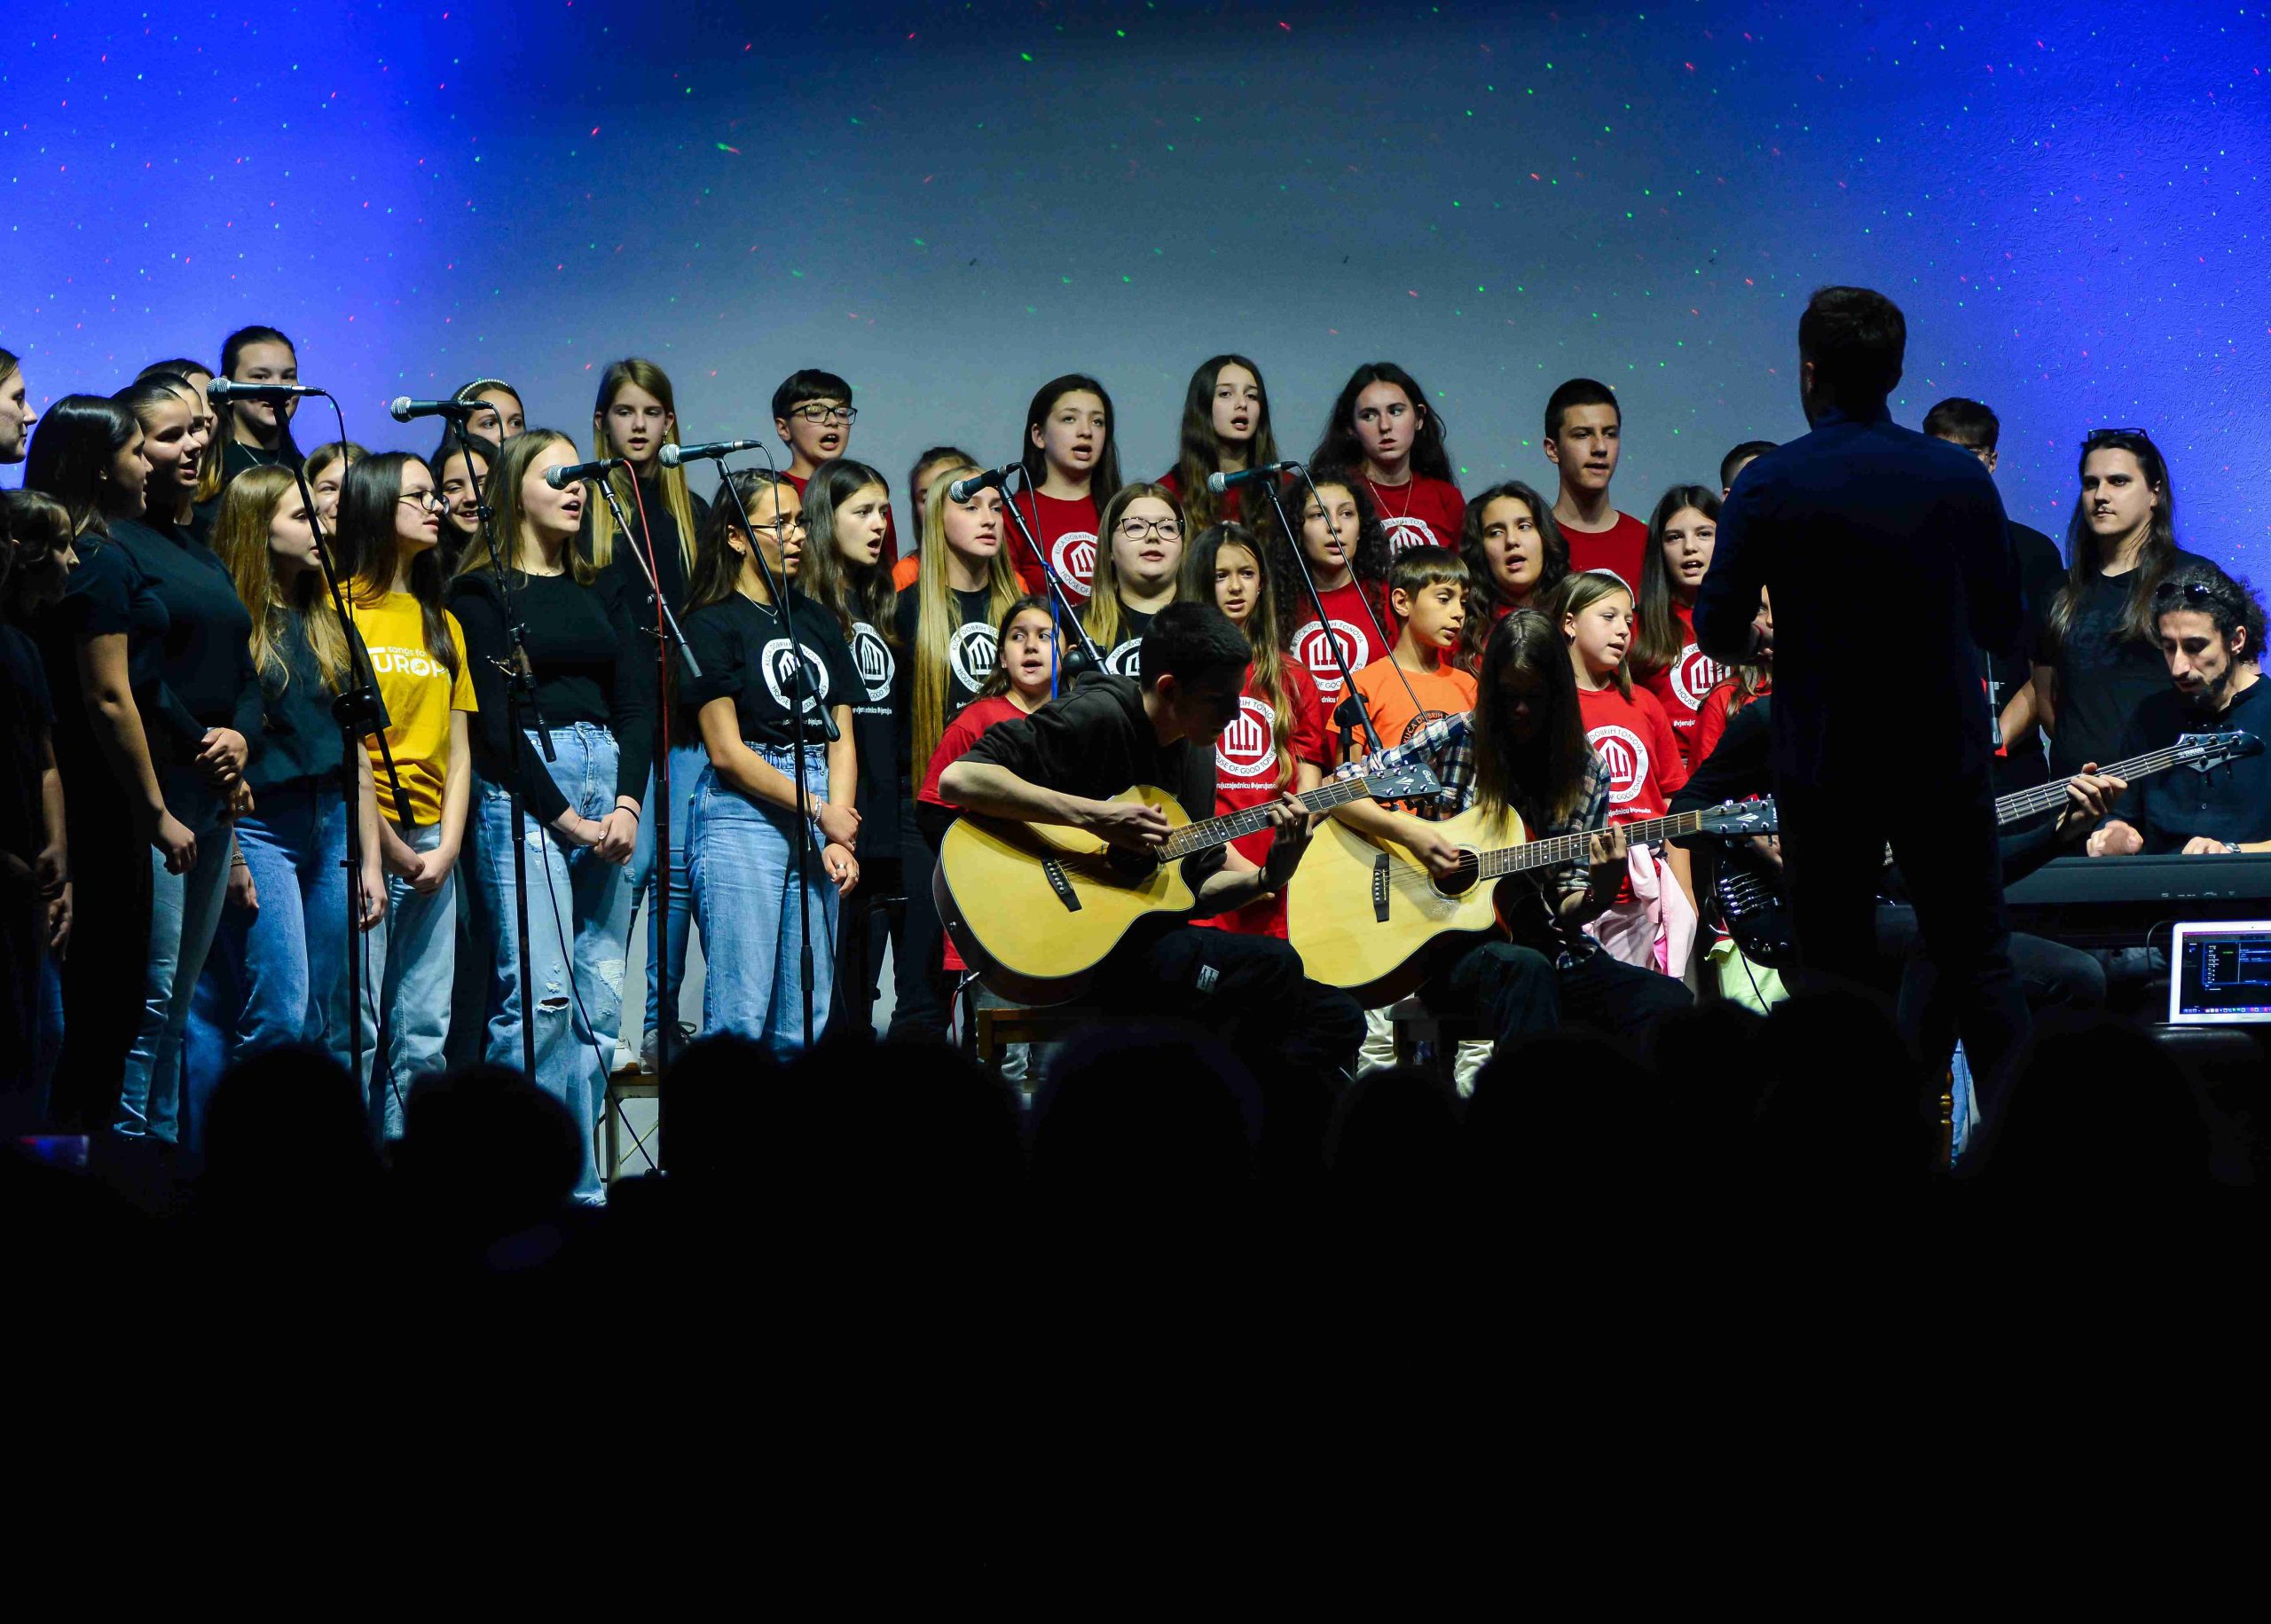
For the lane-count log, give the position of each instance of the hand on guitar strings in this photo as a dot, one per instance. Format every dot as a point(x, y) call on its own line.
point(1131, 825)
point(1290, 825)
point(1610, 854)
point(2090, 796)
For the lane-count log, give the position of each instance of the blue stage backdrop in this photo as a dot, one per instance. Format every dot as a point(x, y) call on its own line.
point(949, 203)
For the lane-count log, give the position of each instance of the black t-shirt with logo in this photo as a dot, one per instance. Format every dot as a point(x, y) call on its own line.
point(743, 649)
point(1124, 658)
point(969, 658)
point(875, 725)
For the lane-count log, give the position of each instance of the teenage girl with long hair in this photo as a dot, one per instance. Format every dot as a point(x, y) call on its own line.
point(1139, 559)
point(1665, 661)
point(390, 529)
point(257, 434)
point(1072, 463)
point(1515, 556)
point(594, 672)
point(944, 623)
point(1341, 539)
point(1384, 432)
point(1225, 430)
point(1278, 745)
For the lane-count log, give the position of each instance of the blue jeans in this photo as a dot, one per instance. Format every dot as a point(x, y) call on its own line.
point(580, 926)
point(185, 911)
point(290, 953)
point(687, 764)
point(414, 964)
point(744, 873)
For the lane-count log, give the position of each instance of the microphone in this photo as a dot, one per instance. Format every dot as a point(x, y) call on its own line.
point(402, 409)
point(674, 455)
point(1219, 482)
point(561, 478)
point(962, 490)
point(222, 390)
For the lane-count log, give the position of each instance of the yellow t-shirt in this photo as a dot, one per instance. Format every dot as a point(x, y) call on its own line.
point(420, 694)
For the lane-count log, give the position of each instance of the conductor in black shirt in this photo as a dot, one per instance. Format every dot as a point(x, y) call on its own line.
point(1059, 764)
point(1926, 518)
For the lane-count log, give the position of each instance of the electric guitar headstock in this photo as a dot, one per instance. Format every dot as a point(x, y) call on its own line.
point(2202, 751)
point(1738, 819)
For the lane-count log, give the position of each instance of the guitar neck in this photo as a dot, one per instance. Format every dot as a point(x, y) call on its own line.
point(1560, 849)
point(2033, 803)
point(1228, 827)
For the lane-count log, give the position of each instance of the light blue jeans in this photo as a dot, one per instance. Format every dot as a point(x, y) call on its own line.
point(744, 874)
point(184, 911)
point(686, 765)
point(290, 954)
point(579, 927)
point(414, 956)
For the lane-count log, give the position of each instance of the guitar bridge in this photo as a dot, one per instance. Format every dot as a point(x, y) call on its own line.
point(1379, 888)
point(1062, 886)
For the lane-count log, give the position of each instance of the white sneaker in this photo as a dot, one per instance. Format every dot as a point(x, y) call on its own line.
point(625, 1060)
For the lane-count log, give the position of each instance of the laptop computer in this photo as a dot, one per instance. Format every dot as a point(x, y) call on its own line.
point(2219, 973)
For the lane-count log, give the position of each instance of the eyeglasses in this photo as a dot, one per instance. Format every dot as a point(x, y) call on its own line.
point(827, 414)
point(1142, 530)
point(425, 498)
point(783, 529)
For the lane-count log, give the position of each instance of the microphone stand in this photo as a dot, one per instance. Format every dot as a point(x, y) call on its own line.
point(1349, 713)
point(520, 692)
point(361, 714)
point(800, 699)
point(666, 635)
point(1083, 660)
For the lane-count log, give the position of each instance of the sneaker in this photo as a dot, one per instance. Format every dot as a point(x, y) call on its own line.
point(648, 1044)
point(625, 1060)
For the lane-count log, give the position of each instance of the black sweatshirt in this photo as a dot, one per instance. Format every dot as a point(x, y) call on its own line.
point(670, 570)
point(300, 744)
point(591, 664)
point(207, 661)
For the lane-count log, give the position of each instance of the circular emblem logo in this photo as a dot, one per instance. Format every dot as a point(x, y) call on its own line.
point(1073, 556)
point(1248, 747)
point(1692, 676)
point(1405, 533)
point(1121, 661)
point(779, 663)
point(872, 655)
point(1313, 647)
point(1621, 752)
point(970, 652)
point(1420, 722)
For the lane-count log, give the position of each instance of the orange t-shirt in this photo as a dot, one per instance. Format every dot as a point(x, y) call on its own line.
point(1444, 691)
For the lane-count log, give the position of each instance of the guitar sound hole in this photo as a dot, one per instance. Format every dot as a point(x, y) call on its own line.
point(1462, 879)
point(1133, 866)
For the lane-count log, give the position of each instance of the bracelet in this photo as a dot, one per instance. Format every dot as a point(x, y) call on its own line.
point(632, 810)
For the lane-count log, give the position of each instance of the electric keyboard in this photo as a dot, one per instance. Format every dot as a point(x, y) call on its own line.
point(2112, 901)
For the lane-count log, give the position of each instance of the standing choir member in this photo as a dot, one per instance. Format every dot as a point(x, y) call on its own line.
point(1225, 430)
point(1072, 465)
point(1139, 556)
point(593, 673)
point(1348, 556)
point(1384, 432)
point(1664, 657)
point(1584, 440)
point(746, 820)
point(389, 533)
point(1516, 557)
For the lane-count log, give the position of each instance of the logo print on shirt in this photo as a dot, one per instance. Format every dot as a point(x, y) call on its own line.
point(1073, 556)
point(1313, 649)
point(778, 664)
point(406, 662)
point(1421, 723)
point(970, 652)
point(1693, 675)
point(1121, 661)
point(1621, 752)
point(1248, 747)
point(1406, 533)
point(872, 655)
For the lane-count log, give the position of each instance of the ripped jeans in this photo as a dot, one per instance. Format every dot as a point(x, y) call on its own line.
point(579, 928)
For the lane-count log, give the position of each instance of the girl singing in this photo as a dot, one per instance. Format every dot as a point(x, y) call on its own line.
point(1225, 430)
point(1514, 555)
point(1664, 657)
point(1384, 432)
point(1072, 462)
point(1139, 556)
point(1347, 553)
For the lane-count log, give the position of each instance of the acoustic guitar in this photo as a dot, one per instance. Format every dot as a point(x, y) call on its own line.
point(1746, 889)
point(1364, 910)
point(1034, 907)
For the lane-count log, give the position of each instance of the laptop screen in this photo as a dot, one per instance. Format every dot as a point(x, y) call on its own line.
point(2220, 973)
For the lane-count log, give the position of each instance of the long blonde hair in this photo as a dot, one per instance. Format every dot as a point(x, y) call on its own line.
point(515, 458)
point(671, 482)
point(248, 508)
point(1104, 619)
point(1578, 592)
point(935, 618)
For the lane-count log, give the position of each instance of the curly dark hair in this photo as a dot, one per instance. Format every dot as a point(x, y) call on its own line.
point(1369, 561)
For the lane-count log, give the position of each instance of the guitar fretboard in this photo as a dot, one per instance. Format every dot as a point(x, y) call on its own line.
point(2033, 803)
point(1219, 831)
point(1559, 849)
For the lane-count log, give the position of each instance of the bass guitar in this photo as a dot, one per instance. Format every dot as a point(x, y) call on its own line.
point(1746, 889)
point(1364, 910)
point(1034, 907)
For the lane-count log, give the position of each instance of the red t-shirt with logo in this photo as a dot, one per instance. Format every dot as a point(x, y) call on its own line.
point(1245, 774)
point(1682, 686)
point(1422, 513)
point(1619, 547)
point(1066, 532)
point(1633, 739)
point(972, 721)
point(889, 557)
point(1346, 607)
point(1711, 719)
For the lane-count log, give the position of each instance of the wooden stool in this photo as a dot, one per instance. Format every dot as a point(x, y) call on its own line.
point(1417, 1027)
point(629, 1084)
point(997, 1029)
